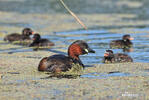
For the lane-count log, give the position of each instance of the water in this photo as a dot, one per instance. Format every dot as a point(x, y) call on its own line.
point(99, 41)
point(88, 7)
point(98, 36)
point(106, 75)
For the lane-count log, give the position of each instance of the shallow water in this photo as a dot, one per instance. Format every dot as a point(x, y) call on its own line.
point(99, 41)
point(106, 75)
point(98, 37)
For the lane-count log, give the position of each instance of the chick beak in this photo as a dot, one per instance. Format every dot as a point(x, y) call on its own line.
point(106, 54)
point(131, 38)
point(32, 32)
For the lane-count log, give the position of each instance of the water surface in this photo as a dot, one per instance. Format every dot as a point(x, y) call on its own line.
point(99, 41)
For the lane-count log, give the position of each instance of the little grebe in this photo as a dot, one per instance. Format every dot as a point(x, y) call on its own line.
point(62, 63)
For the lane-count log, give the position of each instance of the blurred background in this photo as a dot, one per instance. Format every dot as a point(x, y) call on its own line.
point(106, 20)
point(138, 7)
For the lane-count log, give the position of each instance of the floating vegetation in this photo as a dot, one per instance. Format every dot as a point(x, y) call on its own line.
point(24, 43)
point(74, 72)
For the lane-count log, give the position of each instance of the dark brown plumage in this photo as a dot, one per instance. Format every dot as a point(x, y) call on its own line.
point(19, 37)
point(124, 43)
point(39, 42)
point(62, 63)
point(110, 57)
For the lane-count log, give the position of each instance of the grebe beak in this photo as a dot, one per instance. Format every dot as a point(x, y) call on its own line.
point(89, 50)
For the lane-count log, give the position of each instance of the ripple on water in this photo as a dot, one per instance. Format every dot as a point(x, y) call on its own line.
point(99, 41)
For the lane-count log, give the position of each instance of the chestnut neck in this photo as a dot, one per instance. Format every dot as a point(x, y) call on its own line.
point(74, 51)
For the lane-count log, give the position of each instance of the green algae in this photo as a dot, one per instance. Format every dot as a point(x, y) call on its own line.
point(76, 69)
point(74, 72)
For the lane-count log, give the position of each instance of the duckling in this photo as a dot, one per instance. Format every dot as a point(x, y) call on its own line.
point(124, 43)
point(110, 57)
point(19, 37)
point(39, 42)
